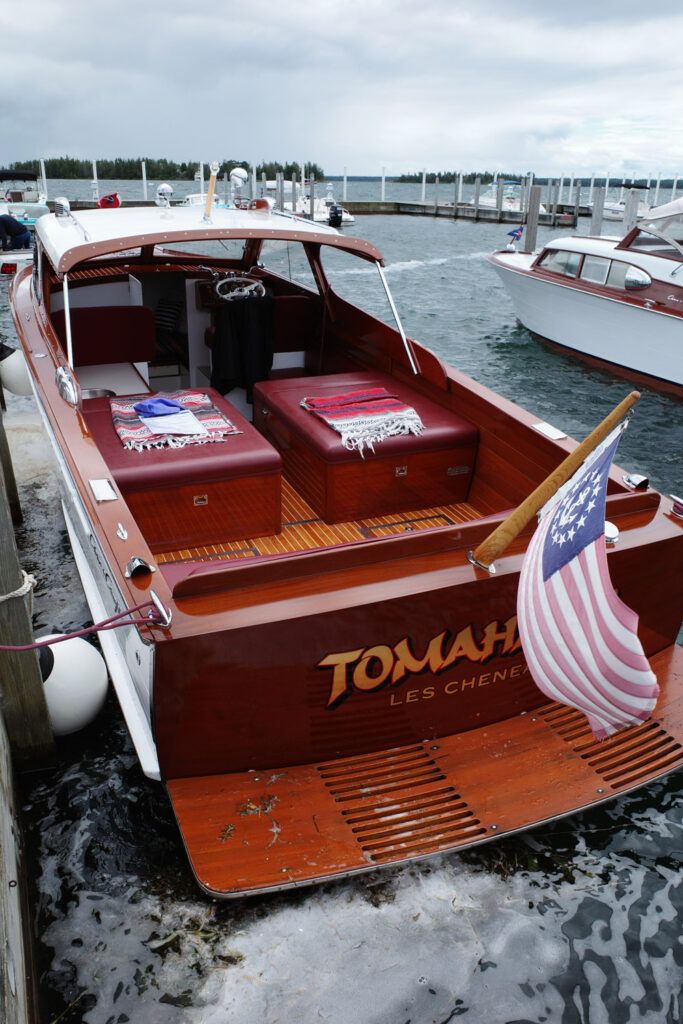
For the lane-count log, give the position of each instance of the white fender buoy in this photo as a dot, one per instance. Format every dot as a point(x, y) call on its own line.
point(14, 372)
point(75, 680)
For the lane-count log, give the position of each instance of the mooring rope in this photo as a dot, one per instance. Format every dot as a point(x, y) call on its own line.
point(111, 623)
point(25, 588)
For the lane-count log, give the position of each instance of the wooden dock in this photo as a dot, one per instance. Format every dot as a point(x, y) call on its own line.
point(564, 216)
point(25, 742)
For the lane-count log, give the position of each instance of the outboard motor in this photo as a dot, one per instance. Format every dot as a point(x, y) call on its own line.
point(335, 217)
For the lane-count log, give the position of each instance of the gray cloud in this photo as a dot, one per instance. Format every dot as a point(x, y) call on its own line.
point(558, 88)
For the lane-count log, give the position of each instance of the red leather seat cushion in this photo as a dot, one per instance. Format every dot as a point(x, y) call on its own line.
point(443, 429)
point(239, 455)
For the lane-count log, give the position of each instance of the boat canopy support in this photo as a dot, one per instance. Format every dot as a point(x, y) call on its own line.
point(406, 344)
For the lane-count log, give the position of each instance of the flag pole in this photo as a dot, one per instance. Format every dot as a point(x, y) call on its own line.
point(495, 544)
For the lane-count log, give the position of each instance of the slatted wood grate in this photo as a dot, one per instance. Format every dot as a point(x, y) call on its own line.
point(622, 759)
point(400, 803)
point(302, 530)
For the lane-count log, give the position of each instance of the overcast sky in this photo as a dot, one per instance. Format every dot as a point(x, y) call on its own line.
point(579, 87)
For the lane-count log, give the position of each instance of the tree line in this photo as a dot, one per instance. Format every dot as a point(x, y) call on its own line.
point(130, 169)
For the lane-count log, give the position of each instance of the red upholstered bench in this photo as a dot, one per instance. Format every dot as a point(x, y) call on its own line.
point(199, 494)
point(404, 472)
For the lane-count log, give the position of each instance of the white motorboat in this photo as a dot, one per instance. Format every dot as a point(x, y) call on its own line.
point(21, 196)
point(614, 301)
point(326, 210)
point(512, 197)
point(615, 209)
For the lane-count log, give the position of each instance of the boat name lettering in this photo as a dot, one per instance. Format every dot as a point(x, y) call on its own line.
point(368, 668)
point(459, 686)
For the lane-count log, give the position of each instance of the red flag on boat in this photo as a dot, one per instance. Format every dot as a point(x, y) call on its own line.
point(110, 201)
point(579, 638)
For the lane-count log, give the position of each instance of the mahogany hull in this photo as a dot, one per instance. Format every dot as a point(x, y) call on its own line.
point(334, 708)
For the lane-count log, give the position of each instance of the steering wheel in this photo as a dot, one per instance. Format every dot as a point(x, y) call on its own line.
point(238, 287)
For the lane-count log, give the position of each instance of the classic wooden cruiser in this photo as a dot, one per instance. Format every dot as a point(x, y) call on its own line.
point(325, 682)
point(613, 301)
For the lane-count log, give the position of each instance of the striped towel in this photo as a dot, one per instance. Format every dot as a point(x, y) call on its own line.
point(136, 435)
point(364, 418)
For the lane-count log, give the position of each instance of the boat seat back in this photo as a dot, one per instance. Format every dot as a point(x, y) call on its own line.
point(108, 334)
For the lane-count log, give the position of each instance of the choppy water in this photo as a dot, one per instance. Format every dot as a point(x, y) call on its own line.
point(578, 922)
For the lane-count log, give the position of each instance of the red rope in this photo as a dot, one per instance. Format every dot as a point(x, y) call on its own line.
point(111, 623)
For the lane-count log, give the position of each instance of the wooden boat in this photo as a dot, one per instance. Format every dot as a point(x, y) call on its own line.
point(322, 679)
point(612, 301)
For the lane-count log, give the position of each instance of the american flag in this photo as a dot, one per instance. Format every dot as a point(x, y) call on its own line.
point(8, 196)
point(517, 233)
point(579, 638)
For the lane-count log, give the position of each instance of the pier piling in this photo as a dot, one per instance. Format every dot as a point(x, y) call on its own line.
point(22, 694)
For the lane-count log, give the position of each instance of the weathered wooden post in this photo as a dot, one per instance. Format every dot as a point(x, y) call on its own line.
point(477, 190)
point(22, 694)
point(631, 209)
point(532, 218)
point(460, 187)
point(8, 474)
point(598, 207)
point(655, 201)
point(436, 195)
point(499, 198)
point(294, 192)
point(577, 202)
point(311, 186)
point(556, 191)
point(18, 994)
point(144, 181)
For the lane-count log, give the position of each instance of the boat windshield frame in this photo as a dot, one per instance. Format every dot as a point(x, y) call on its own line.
point(649, 230)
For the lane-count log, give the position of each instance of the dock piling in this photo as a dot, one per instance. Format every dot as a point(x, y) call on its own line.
point(598, 208)
point(532, 218)
point(24, 707)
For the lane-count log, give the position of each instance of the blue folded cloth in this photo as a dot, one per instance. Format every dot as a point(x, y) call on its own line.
point(158, 407)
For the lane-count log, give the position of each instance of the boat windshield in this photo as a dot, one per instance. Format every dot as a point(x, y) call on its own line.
point(208, 248)
point(663, 235)
point(357, 281)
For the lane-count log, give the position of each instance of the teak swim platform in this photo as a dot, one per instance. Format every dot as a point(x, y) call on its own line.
point(326, 683)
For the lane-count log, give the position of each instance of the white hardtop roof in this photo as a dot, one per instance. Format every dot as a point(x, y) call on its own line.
point(85, 234)
point(592, 244)
point(672, 209)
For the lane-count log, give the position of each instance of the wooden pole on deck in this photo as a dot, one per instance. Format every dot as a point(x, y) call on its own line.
point(496, 543)
point(209, 195)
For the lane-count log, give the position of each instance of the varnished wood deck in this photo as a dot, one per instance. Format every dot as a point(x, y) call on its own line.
point(302, 530)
